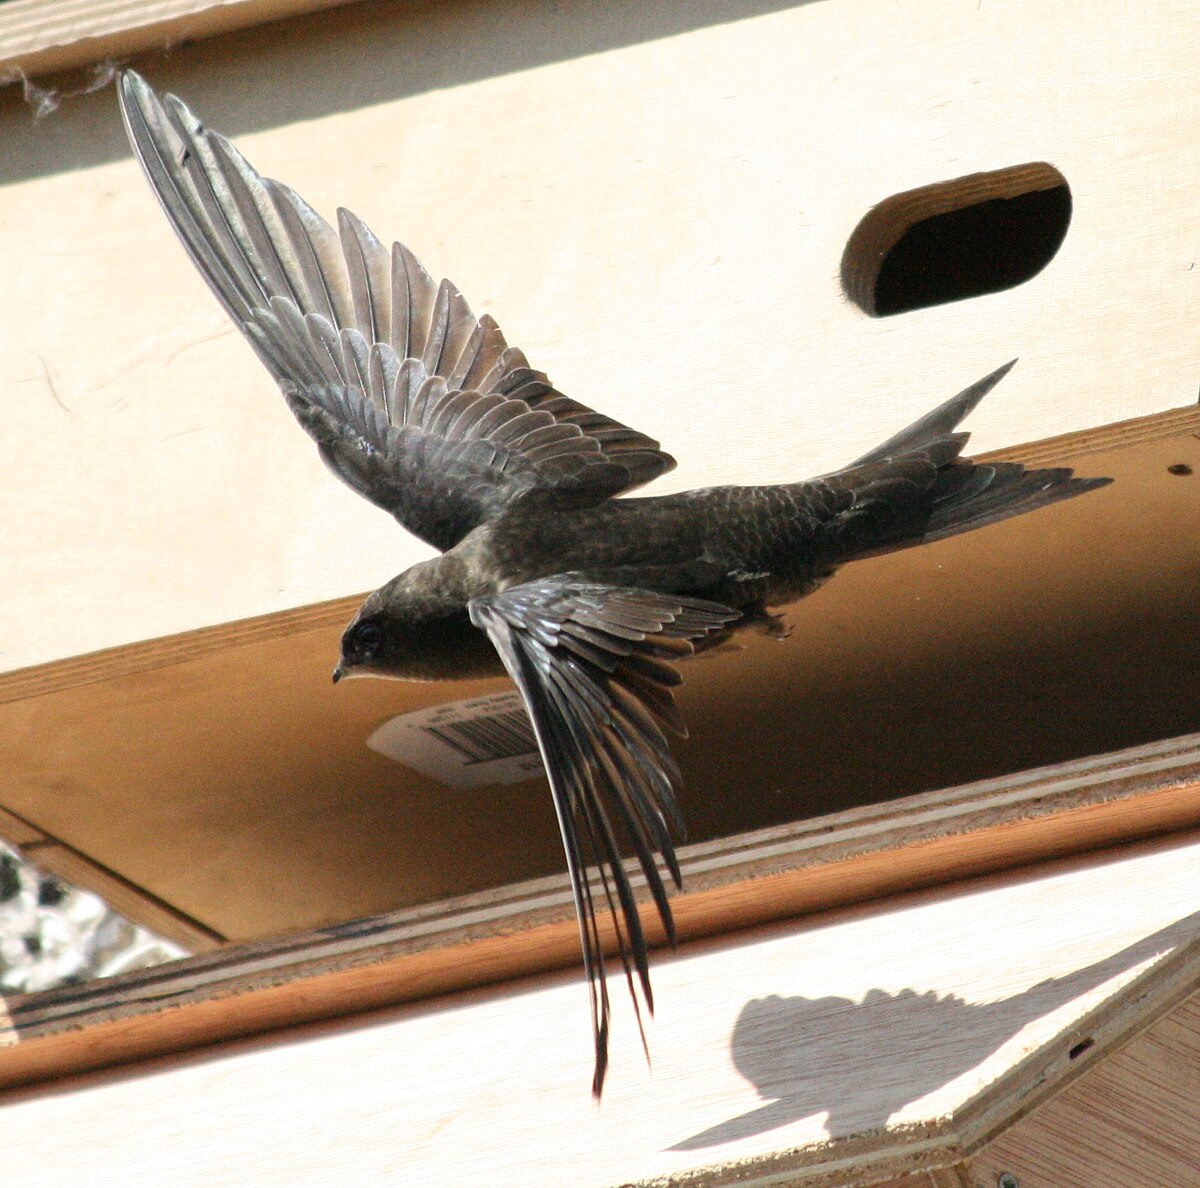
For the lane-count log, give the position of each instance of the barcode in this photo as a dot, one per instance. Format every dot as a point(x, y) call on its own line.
point(485, 739)
point(464, 744)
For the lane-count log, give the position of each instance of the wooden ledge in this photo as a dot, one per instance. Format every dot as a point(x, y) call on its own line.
point(43, 36)
point(475, 940)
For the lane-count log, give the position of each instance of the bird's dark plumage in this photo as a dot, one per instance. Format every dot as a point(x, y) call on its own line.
point(586, 600)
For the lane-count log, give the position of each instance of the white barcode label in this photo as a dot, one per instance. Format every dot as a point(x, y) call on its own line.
point(465, 744)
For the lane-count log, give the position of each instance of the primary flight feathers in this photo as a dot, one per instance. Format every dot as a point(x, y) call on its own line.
point(420, 406)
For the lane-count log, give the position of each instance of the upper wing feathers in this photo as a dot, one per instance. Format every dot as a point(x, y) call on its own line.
point(383, 365)
point(590, 661)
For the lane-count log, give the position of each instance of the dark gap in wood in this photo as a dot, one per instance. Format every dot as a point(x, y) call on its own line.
point(983, 248)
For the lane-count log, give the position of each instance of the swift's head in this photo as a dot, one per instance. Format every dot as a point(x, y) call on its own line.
point(369, 647)
point(414, 629)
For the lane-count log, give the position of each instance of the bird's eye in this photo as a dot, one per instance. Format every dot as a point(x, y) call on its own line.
point(369, 635)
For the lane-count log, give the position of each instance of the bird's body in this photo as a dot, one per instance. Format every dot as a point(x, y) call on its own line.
point(745, 547)
point(684, 544)
point(709, 543)
point(584, 599)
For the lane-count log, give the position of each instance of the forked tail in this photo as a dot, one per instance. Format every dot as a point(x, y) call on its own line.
point(916, 487)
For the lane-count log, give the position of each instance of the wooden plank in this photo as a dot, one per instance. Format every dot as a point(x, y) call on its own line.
point(51, 855)
point(130, 901)
point(42, 36)
point(113, 663)
point(515, 931)
point(1134, 1120)
point(839, 1049)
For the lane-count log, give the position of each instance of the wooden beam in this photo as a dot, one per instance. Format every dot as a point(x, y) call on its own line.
point(851, 1047)
point(733, 883)
point(43, 36)
point(124, 897)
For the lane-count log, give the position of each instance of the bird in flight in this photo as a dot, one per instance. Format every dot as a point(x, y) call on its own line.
point(586, 600)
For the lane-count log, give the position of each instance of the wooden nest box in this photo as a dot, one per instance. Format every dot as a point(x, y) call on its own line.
point(941, 923)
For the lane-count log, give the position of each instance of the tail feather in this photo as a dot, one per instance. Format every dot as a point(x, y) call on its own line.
point(1011, 491)
point(939, 424)
point(916, 488)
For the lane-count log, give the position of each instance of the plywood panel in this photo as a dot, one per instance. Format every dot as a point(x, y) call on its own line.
point(653, 199)
point(530, 927)
point(834, 1050)
point(51, 35)
point(1133, 1121)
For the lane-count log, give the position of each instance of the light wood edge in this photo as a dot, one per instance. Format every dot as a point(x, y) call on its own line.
point(50, 854)
point(127, 659)
point(40, 37)
point(168, 650)
point(18, 832)
point(1069, 447)
point(529, 928)
point(891, 1159)
point(122, 896)
point(1047, 1072)
point(888, 222)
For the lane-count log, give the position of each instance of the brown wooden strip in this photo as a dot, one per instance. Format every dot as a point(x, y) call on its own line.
point(122, 896)
point(474, 940)
point(111, 663)
point(16, 831)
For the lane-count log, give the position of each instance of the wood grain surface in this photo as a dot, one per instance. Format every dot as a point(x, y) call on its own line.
point(856, 1045)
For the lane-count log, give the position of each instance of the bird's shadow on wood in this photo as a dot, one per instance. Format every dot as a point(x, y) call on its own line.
point(809, 1056)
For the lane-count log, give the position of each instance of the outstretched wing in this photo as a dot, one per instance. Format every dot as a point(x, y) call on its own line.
point(413, 401)
point(591, 663)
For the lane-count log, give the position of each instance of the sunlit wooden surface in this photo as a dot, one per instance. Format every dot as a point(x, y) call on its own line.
point(652, 199)
point(874, 1031)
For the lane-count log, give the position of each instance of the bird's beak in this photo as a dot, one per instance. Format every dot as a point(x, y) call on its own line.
point(338, 673)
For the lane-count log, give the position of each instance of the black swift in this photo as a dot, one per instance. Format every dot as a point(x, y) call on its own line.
point(584, 599)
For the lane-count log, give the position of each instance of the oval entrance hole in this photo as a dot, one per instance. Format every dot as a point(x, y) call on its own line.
point(957, 239)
